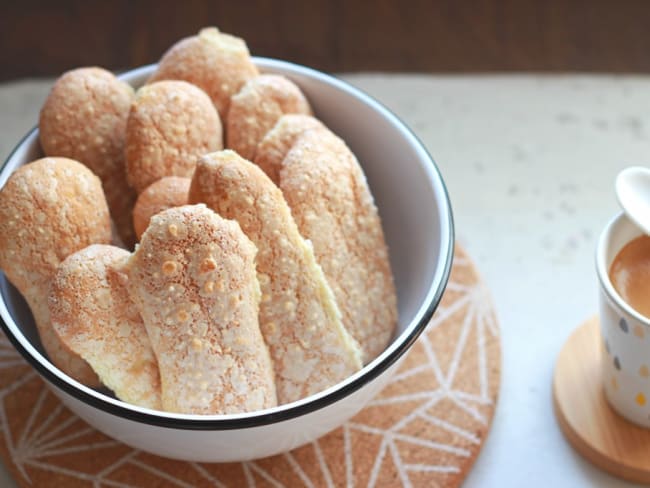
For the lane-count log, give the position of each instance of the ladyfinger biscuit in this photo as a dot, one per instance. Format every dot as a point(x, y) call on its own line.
point(310, 348)
point(329, 198)
point(49, 209)
point(92, 314)
point(193, 280)
point(217, 63)
point(275, 145)
point(257, 107)
point(84, 118)
point(167, 192)
point(170, 124)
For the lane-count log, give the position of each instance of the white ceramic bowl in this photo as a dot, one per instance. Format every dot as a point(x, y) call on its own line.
point(417, 220)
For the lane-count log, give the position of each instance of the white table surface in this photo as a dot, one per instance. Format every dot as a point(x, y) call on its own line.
point(530, 163)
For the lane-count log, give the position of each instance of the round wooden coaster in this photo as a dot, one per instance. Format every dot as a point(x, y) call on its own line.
point(591, 426)
point(425, 429)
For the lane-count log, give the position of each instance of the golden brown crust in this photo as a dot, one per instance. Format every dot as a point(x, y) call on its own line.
point(49, 209)
point(93, 315)
point(193, 280)
point(218, 63)
point(329, 198)
point(84, 118)
point(275, 145)
point(257, 107)
point(170, 124)
point(167, 192)
point(310, 348)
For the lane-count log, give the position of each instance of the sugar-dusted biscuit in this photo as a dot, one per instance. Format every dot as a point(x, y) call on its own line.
point(331, 202)
point(170, 124)
point(167, 192)
point(257, 107)
point(84, 118)
point(93, 315)
point(275, 145)
point(218, 63)
point(193, 280)
point(49, 209)
point(310, 348)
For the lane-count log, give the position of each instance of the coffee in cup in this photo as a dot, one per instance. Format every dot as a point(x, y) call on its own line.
point(630, 274)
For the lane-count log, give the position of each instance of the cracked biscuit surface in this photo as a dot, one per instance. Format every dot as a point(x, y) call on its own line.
point(257, 107)
point(84, 118)
point(93, 315)
point(170, 124)
point(331, 202)
point(167, 192)
point(217, 63)
point(299, 318)
point(49, 209)
point(193, 280)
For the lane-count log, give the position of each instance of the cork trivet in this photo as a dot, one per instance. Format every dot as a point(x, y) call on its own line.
point(592, 427)
point(425, 428)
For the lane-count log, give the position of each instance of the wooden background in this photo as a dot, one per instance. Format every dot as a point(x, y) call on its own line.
point(39, 37)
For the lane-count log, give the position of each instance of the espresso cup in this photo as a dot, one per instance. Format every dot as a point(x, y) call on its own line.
point(625, 332)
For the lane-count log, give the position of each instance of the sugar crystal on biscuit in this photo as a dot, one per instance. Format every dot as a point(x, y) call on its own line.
point(209, 264)
point(169, 267)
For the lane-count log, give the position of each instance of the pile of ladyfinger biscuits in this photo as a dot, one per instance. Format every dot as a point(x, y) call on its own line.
point(202, 245)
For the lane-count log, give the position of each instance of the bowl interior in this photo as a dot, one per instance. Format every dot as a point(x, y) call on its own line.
point(406, 185)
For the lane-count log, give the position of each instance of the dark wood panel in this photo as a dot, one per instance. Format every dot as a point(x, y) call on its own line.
point(39, 37)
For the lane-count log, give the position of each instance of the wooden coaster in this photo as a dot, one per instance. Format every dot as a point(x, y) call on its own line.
point(425, 429)
point(591, 426)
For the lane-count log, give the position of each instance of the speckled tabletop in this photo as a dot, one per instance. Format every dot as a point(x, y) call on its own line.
point(530, 163)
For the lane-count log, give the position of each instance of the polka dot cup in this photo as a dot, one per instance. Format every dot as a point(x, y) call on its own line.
point(625, 333)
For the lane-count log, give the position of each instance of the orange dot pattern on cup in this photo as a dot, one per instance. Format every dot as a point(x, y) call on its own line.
point(640, 399)
point(639, 332)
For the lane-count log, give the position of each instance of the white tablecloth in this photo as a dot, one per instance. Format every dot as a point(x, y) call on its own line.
point(530, 163)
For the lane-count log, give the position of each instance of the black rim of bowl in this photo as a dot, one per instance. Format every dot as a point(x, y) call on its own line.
point(255, 420)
